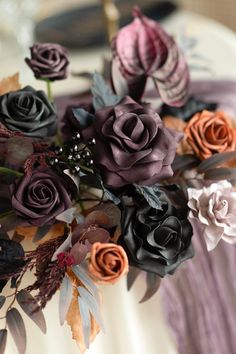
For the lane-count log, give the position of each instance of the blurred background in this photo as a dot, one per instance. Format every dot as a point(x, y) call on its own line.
point(80, 25)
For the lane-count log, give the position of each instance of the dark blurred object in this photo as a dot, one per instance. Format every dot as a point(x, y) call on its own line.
point(84, 26)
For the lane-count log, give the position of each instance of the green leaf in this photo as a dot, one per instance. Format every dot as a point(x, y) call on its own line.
point(151, 194)
point(83, 117)
point(132, 276)
point(30, 306)
point(103, 96)
point(16, 326)
point(3, 340)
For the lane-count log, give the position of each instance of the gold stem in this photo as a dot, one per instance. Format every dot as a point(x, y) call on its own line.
point(111, 18)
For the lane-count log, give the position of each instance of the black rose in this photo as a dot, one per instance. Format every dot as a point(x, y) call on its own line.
point(156, 241)
point(28, 111)
point(11, 260)
point(48, 61)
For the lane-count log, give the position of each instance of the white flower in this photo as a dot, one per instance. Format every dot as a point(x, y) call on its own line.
point(215, 208)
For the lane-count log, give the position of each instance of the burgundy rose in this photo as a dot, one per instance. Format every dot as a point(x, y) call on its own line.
point(143, 50)
point(133, 145)
point(48, 61)
point(39, 197)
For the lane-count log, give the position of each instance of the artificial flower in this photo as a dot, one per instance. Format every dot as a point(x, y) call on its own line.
point(29, 112)
point(108, 262)
point(209, 133)
point(48, 61)
point(39, 197)
point(156, 241)
point(143, 49)
point(132, 144)
point(214, 208)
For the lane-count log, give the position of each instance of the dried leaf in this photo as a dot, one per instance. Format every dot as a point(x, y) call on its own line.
point(83, 276)
point(3, 340)
point(85, 321)
point(74, 321)
point(30, 306)
point(183, 162)
point(29, 232)
point(132, 276)
point(10, 84)
point(66, 293)
point(216, 160)
point(153, 282)
point(17, 328)
point(220, 174)
point(2, 301)
point(41, 232)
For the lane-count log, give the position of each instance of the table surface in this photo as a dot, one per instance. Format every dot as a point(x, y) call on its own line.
point(130, 327)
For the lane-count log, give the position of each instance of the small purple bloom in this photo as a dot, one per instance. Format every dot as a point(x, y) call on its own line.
point(48, 61)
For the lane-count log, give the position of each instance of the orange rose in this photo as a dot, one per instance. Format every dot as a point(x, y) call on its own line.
point(209, 133)
point(108, 262)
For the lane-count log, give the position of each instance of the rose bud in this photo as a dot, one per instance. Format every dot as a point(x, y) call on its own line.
point(48, 61)
point(108, 262)
point(132, 144)
point(39, 197)
point(28, 111)
point(209, 133)
point(144, 50)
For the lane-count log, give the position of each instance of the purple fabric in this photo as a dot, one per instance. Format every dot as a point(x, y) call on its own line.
point(200, 299)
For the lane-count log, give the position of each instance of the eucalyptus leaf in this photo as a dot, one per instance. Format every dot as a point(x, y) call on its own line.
point(183, 162)
point(81, 273)
point(2, 301)
point(86, 321)
point(31, 308)
point(3, 340)
point(102, 93)
point(16, 327)
point(220, 173)
point(93, 305)
point(83, 117)
point(66, 294)
point(151, 194)
point(215, 160)
point(153, 282)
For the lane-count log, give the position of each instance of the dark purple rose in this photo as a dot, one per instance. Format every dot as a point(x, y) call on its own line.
point(132, 144)
point(143, 50)
point(39, 197)
point(28, 111)
point(48, 61)
point(156, 241)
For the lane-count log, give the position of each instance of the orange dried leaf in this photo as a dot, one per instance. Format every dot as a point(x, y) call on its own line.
point(9, 84)
point(29, 232)
point(74, 321)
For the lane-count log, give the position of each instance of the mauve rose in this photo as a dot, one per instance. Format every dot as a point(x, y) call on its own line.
point(39, 197)
point(108, 262)
point(132, 144)
point(214, 207)
point(156, 241)
point(209, 133)
point(48, 61)
point(28, 111)
point(143, 50)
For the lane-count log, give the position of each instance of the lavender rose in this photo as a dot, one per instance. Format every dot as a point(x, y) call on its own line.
point(133, 145)
point(48, 61)
point(39, 197)
point(28, 111)
point(214, 207)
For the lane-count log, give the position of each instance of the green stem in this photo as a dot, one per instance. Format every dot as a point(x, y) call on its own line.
point(10, 171)
point(7, 213)
point(49, 91)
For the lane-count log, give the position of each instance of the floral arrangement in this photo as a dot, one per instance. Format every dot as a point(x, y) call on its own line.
point(116, 188)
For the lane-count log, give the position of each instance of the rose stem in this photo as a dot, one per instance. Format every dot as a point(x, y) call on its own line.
point(10, 171)
point(49, 90)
